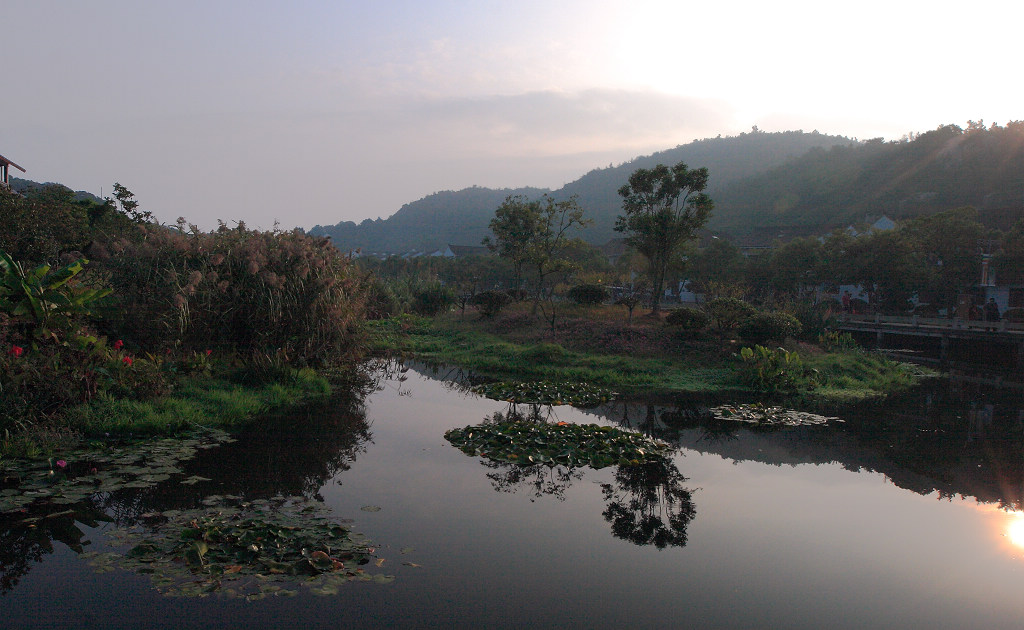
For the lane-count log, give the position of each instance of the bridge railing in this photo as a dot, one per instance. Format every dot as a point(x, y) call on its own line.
point(955, 323)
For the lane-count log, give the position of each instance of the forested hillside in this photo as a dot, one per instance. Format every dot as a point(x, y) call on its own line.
point(931, 172)
point(461, 217)
point(456, 217)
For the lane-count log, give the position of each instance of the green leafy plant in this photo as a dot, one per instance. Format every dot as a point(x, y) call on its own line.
point(43, 299)
point(835, 340)
point(775, 371)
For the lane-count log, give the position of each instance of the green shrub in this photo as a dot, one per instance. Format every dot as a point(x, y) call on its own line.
point(689, 319)
point(433, 299)
point(772, 371)
point(834, 340)
point(588, 294)
point(490, 303)
point(769, 326)
point(815, 319)
point(726, 312)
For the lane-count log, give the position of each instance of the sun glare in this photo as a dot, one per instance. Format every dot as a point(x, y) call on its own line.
point(1015, 529)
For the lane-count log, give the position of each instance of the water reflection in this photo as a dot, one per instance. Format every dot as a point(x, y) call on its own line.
point(647, 504)
point(292, 454)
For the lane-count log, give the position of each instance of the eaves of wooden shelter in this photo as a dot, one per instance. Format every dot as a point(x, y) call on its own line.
point(5, 165)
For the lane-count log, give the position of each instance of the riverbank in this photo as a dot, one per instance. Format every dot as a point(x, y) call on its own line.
point(226, 399)
point(641, 356)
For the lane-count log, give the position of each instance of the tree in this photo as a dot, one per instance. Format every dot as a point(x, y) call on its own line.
point(534, 234)
point(129, 205)
point(515, 223)
point(664, 206)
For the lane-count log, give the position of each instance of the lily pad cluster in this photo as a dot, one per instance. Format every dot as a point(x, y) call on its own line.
point(77, 475)
point(562, 443)
point(546, 393)
point(249, 549)
point(765, 415)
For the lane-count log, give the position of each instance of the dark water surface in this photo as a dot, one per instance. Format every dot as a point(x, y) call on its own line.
point(901, 516)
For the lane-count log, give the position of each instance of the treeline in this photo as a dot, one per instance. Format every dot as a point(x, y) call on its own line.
point(932, 258)
point(97, 300)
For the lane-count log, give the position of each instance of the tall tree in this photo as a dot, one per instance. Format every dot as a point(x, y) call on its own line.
point(665, 206)
point(536, 234)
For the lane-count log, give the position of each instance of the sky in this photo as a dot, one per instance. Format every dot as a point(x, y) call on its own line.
point(318, 111)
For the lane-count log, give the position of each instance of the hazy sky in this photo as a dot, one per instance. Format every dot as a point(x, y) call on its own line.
point(325, 110)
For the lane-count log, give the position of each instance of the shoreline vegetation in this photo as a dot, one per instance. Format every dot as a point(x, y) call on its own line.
point(643, 356)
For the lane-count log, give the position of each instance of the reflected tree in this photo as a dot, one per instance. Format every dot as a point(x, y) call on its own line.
point(539, 479)
point(26, 537)
point(648, 505)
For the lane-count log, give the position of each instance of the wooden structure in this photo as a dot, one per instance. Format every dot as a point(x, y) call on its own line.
point(955, 340)
point(5, 165)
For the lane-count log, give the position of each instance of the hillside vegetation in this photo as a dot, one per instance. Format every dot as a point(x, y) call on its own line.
point(461, 217)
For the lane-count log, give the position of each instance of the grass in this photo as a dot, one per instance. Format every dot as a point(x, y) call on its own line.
point(599, 346)
point(197, 401)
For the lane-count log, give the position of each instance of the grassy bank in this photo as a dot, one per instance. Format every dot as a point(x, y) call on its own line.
point(643, 356)
point(219, 401)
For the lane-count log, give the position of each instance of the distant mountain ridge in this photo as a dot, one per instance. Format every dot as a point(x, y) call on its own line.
point(461, 217)
point(23, 186)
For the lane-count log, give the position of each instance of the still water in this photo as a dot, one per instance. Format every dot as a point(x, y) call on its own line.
point(899, 516)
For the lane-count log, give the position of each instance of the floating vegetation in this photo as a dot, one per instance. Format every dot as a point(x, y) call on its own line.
point(765, 415)
point(529, 443)
point(79, 474)
point(546, 393)
point(251, 550)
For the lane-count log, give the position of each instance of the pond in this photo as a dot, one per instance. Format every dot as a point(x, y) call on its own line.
point(902, 515)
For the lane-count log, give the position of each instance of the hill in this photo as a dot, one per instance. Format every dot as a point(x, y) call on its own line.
point(24, 186)
point(461, 217)
point(946, 168)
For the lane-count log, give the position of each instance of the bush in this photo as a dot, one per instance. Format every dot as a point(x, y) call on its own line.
point(815, 319)
point(490, 303)
point(728, 312)
point(588, 294)
point(771, 371)
point(433, 299)
point(253, 291)
point(772, 325)
point(834, 340)
point(689, 319)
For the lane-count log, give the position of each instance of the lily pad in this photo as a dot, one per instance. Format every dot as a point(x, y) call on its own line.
point(531, 443)
point(546, 393)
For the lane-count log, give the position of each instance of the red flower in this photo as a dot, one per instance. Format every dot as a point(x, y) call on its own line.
point(127, 360)
point(16, 351)
point(118, 344)
point(209, 352)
